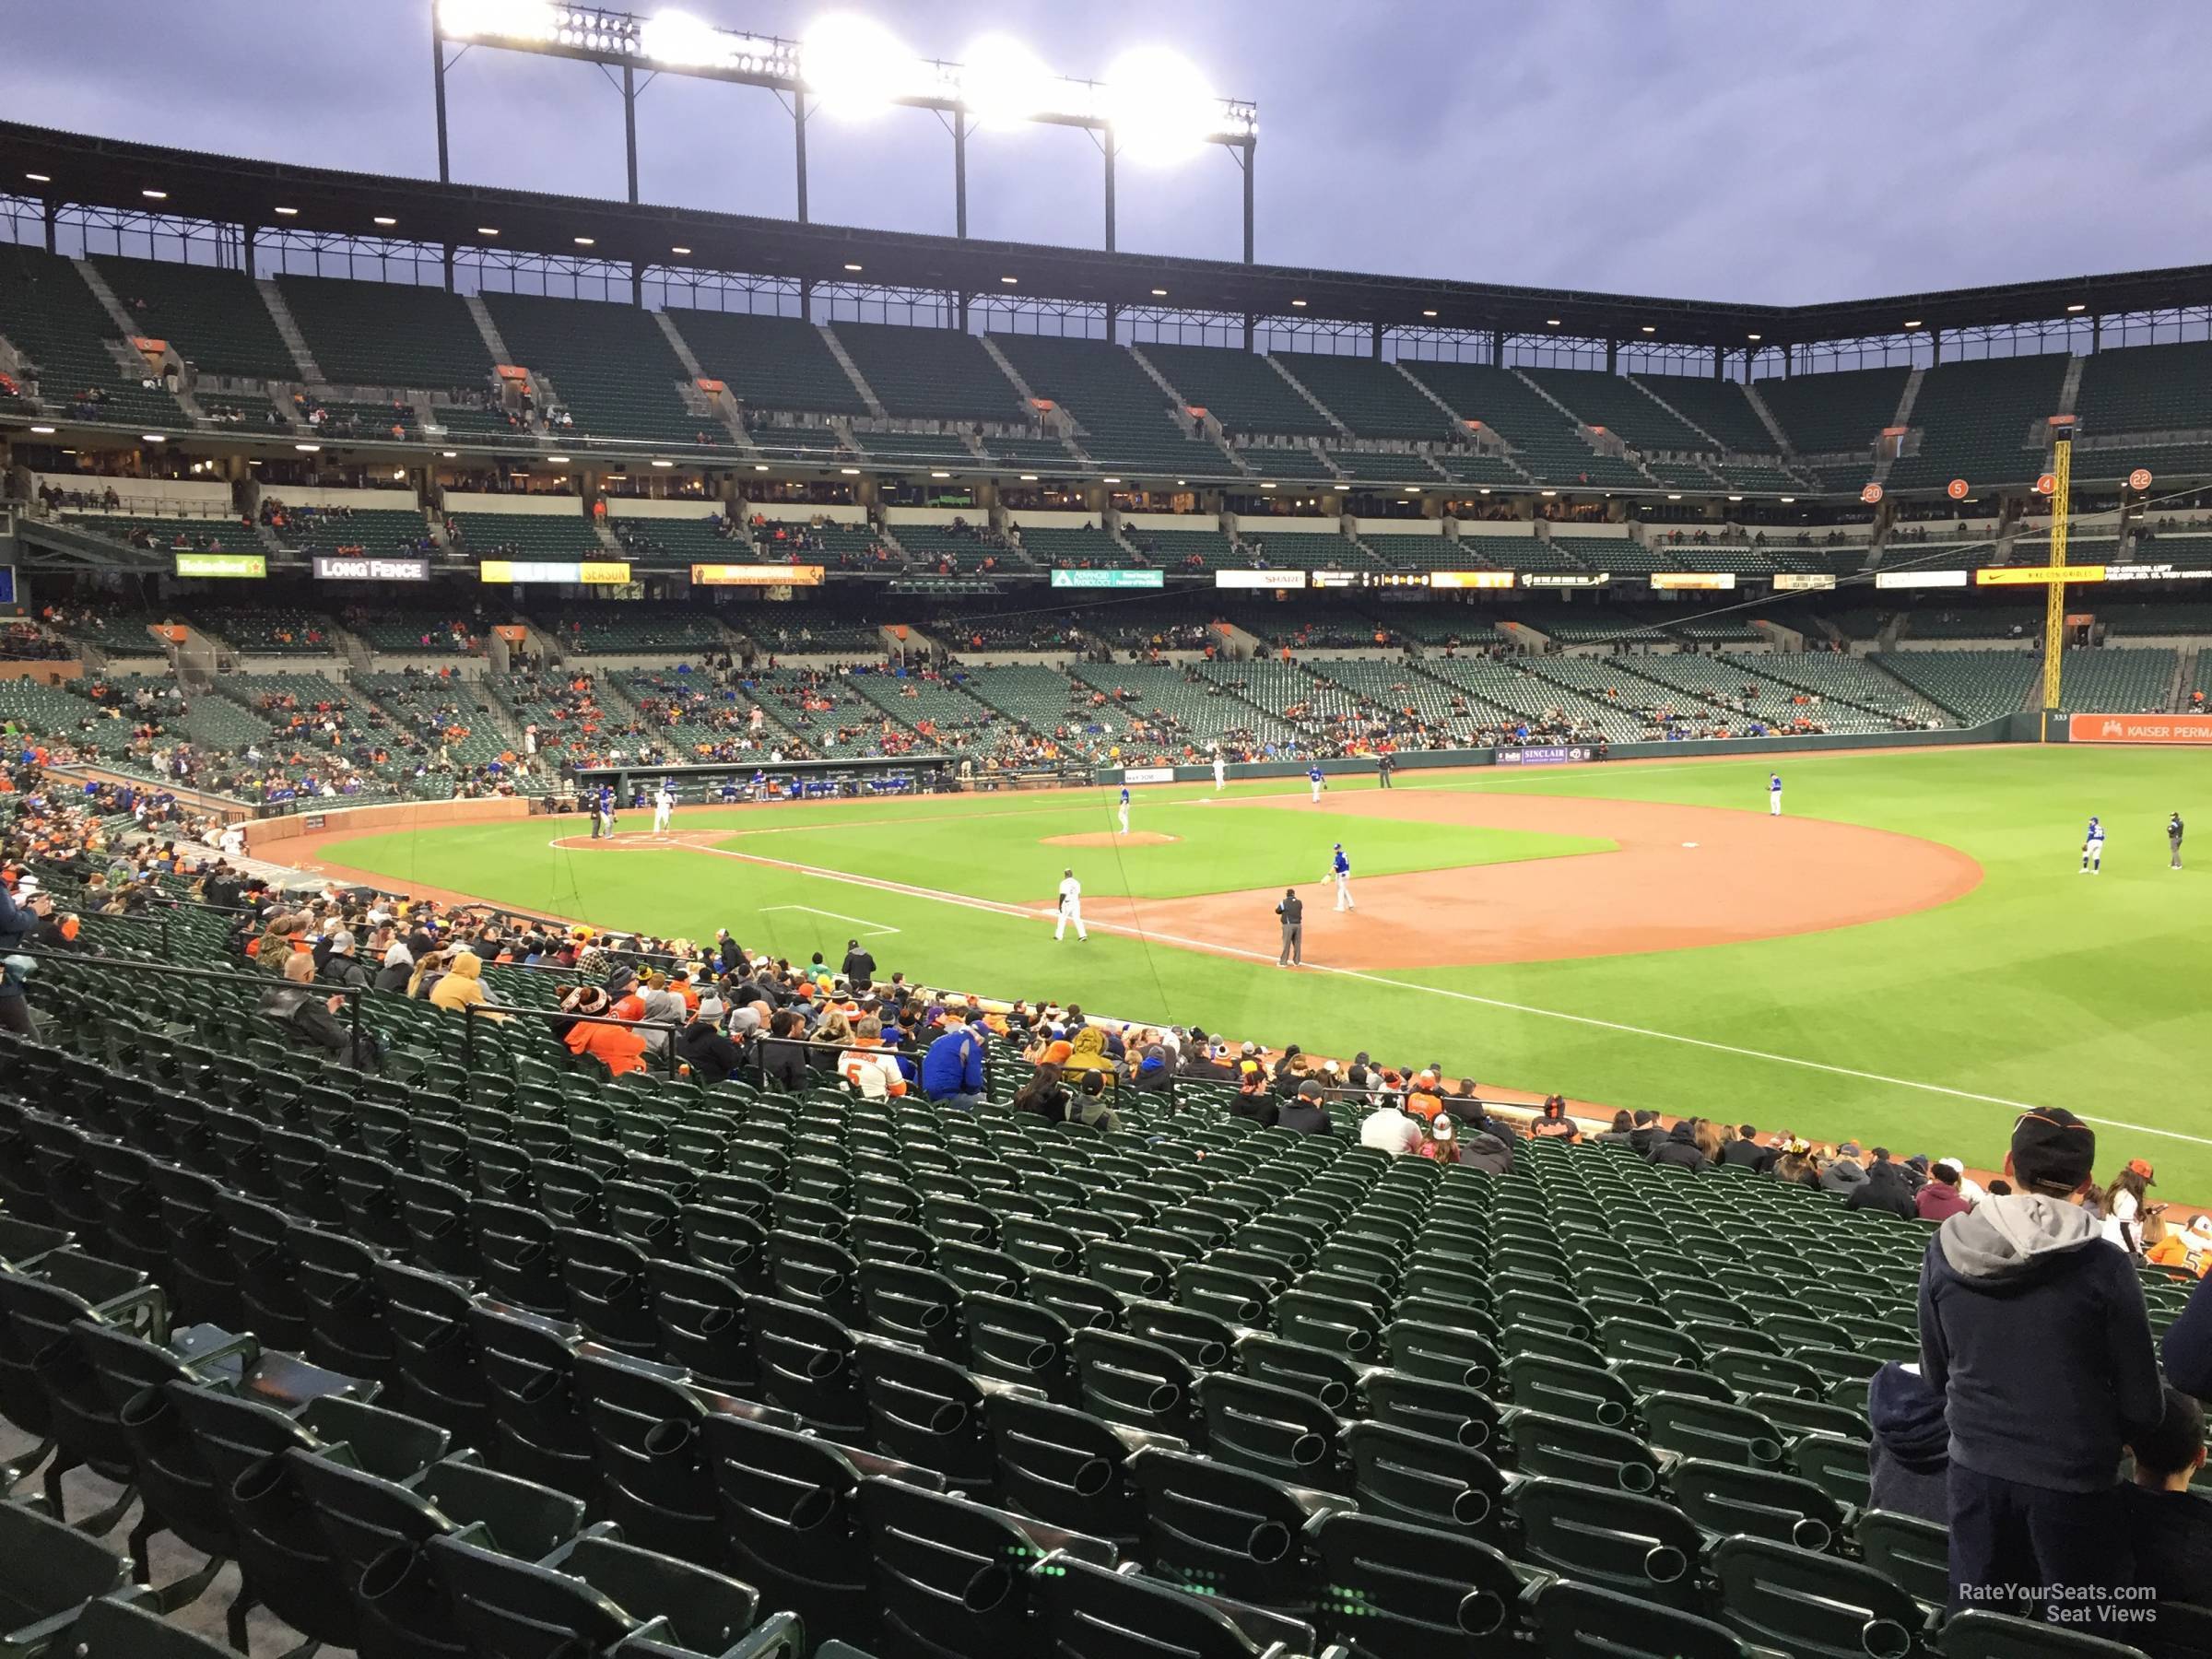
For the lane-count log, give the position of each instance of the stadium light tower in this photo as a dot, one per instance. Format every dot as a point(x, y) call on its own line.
point(1153, 105)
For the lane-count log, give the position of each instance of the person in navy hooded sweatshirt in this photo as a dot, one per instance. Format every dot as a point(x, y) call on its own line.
point(2033, 1334)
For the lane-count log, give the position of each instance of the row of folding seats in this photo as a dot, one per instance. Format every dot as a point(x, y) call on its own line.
point(673, 1466)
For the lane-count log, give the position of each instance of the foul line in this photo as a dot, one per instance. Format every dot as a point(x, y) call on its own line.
point(996, 907)
point(860, 922)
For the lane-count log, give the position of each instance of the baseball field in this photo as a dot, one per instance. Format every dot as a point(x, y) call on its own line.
point(1909, 954)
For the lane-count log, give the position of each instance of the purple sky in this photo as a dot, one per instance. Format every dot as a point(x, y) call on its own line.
point(1707, 149)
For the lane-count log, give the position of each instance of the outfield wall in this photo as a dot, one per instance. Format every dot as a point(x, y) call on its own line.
point(1410, 760)
point(262, 835)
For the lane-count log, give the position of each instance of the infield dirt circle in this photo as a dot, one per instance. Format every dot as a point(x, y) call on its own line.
point(1683, 876)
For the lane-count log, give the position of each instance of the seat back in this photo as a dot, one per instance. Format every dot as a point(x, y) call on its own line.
point(1619, 1540)
point(1581, 1621)
point(1775, 1595)
point(1400, 1591)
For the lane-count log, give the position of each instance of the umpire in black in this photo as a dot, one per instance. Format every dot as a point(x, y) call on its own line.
point(1386, 763)
point(2173, 838)
point(1292, 909)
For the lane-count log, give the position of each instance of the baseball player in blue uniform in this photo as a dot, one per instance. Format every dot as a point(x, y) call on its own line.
point(1341, 868)
point(2093, 849)
point(1315, 778)
point(1773, 795)
point(1124, 809)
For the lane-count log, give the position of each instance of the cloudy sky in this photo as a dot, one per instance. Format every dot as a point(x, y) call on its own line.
point(1751, 150)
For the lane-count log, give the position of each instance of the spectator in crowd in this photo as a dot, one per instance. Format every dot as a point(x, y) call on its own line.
point(1043, 1094)
point(460, 988)
point(783, 1053)
point(315, 1018)
point(2169, 1526)
point(1909, 1458)
point(952, 1068)
point(1679, 1149)
point(1255, 1099)
point(1308, 1112)
point(1798, 1164)
point(342, 969)
point(1883, 1189)
point(1941, 1199)
point(1648, 1133)
point(1089, 1105)
point(703, 1046)
point(1441, 1143)
point(2187, 1348)
point(1845, 1175)
point(1552, 1121)
point(2034, 1335)
point(1745, 1152)
point(870, 1067)
point(618, 1047)
point(1389, 1129)
point(1620, 1134)
point(2126, 1201)
point(1086, 1051)
point(1153, 1075)
point(1483, 1149)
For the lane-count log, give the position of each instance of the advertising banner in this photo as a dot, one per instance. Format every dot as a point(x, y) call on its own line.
point(1274, 581)
point(1914, 579)
point(1108, 578)
point(1149, 774)
point(1698, 581)
point(755, 575)
point(2037, 575)
point(2195, 730)
point(222, 564)
point(1803, 582)
point(341, 568)
point(1564, 578)
point(508, 571)
point(1470, 579)
point(1542, 757)
point(2153, 572)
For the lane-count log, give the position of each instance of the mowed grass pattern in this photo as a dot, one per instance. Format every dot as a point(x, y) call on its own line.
point(2041, 987)
point(1005, 855)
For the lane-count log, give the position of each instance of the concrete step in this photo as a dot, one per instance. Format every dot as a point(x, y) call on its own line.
point(288, 330)
point(852, 374)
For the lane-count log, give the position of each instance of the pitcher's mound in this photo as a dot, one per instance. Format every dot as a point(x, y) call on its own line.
point(1106, 838)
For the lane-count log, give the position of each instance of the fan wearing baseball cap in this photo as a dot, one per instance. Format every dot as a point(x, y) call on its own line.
point(2033, 1334)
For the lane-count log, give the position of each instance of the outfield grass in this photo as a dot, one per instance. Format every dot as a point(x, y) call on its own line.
point(1000, 851)
point(1926, 1032)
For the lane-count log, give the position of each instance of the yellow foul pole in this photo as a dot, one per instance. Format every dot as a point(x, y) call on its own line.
point(2055, 595)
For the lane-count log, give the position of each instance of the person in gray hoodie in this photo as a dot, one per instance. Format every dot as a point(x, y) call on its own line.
point(2033, 1334)
point(1844, 1173)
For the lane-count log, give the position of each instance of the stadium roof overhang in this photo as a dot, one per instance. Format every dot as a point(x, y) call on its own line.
point(114, 174)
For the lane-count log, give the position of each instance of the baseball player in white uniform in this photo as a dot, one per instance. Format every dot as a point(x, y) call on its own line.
point(1070, 907)
point(1220, 770)
point(1341, 868)
point(1315, 778)
point(663, 803)
point(2093, 849)
point(1124, 809)
point(1773, 795)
